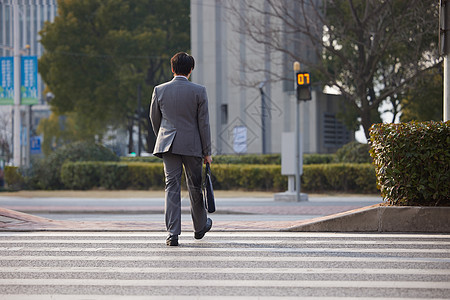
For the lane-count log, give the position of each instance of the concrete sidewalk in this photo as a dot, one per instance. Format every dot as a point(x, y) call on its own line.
point(327, 213)
point(17, 209)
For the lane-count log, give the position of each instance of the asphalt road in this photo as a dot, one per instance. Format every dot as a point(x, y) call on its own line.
point(223, 265)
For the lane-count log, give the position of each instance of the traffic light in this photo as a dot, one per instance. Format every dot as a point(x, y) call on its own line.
point(303, 86)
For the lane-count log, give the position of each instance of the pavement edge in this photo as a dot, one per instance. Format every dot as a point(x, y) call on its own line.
point(379, 218)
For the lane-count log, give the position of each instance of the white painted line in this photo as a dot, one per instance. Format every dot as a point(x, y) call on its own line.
point(234, 234)
point(176, 297)
point(210, 241)
point(249, 249)
point(294, 270)
point(227, 258)
point(230, 283)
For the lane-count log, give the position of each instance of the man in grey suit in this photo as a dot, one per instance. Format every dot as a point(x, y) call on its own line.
point(180, 120)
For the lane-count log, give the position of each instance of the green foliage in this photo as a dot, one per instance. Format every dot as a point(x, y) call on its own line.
point(80, 176)
point(13, 178)
point(423, 101)
point(48, 171)
point(62, 130)
point(146, 175)
point(358, 178)
point(370, 48)
point(258, 159)
point(353, 152)
point(112, 175)
point(98, 52)
point(412, 162)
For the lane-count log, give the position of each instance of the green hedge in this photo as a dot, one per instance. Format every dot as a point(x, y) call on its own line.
point(111, 175)
point(13, 178)
point(358, 178)
point(254, 159)
point(45, 173)
point(412, 162)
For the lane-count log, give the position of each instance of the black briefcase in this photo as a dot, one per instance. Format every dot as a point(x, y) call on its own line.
point(208, 191)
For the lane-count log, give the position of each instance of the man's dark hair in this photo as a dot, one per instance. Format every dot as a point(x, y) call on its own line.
point(182, 63)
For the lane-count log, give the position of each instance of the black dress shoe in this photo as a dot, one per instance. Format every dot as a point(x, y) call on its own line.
point(172, 240)
point(201, 233)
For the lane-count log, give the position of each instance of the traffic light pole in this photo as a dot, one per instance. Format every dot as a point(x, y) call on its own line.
point(444, 49)
point(17, 117)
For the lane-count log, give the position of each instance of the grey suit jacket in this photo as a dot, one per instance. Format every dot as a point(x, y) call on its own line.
point(180, 118)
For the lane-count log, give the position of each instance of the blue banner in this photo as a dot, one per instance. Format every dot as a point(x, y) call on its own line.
point(6, 80)
point(29, 84)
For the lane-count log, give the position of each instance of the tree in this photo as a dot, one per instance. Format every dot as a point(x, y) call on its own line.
point(97, 53)
point(370, 50)
point(423, 102)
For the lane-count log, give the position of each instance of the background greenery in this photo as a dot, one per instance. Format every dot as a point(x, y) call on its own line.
point(83, 165)
point(412, 162)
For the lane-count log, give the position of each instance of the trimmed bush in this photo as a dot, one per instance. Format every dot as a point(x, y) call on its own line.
point(48, 171)
point(316, 159)
point(412, 162)
point(80, 175)
point(358, 178)
point(146, 175)
point(112, 175)
point(353, 152)
point(248, 159)
point(13, 178)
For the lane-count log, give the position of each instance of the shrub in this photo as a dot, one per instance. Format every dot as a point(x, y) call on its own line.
point(13, 178)
point(48, 171)
point(412, 162)
point(112, 175)
point(313, 159)
point(358, 178)
point(146, 175)
point(258, 159)
point(80, 175)
point(353, 152)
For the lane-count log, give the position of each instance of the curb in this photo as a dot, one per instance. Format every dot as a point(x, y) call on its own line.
point(375, 218)
point(379, 218)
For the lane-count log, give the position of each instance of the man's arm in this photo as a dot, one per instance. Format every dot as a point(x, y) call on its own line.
point(155, 113)
point(203, 124)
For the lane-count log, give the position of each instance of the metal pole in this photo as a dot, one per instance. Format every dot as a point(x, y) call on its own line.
point(444, 26)
point(297, 150)
point(139, 121)
point(297, 136)
point(263, 118)
point(17, 116)
point(446, 88)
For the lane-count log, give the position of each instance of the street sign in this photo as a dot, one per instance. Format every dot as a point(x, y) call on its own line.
point(303, 86)
point(6, 80)
point(35, 145)
point(29, 84)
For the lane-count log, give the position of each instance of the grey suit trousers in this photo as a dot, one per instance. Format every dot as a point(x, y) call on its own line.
point(173, 167)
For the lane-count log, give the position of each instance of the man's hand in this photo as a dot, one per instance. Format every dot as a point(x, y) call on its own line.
point(208, 159)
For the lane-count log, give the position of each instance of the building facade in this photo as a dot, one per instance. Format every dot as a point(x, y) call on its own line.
point(251, 101)
point(32, 16)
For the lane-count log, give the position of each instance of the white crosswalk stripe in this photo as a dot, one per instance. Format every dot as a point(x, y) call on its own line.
point(224, 265)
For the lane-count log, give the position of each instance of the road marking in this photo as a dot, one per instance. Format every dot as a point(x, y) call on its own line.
point(210, 249)
point(179, 258)
point(234, 234)
point(129, 297)
point(252, 270)
point(231, 283)
point(210, 241)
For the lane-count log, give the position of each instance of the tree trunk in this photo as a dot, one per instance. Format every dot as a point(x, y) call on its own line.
point(130, 134)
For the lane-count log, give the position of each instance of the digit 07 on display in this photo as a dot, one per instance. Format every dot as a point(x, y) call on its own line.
point(303, 86)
